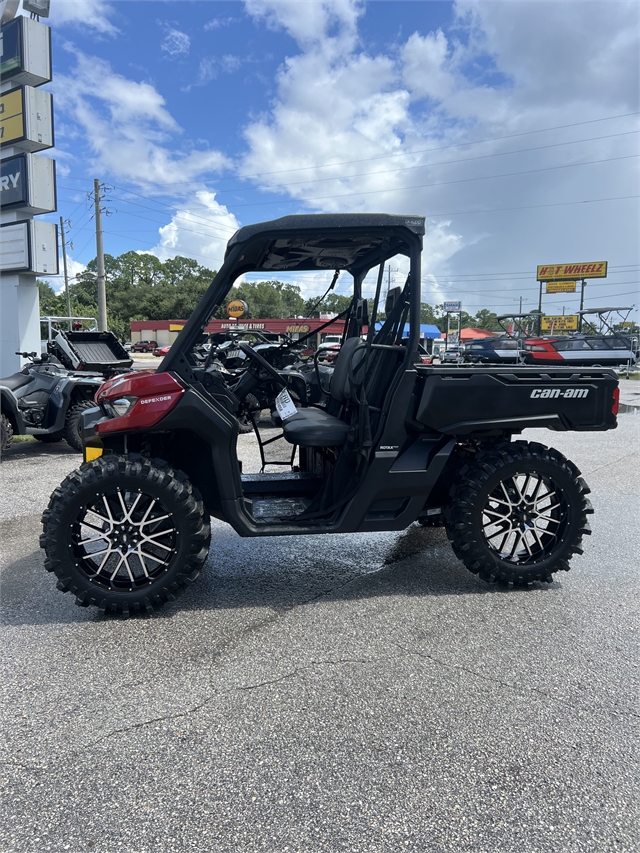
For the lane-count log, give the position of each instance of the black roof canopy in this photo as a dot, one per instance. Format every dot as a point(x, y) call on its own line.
point(347, 241)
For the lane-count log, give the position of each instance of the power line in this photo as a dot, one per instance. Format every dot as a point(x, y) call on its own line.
point(409, 153)
point(441, 163)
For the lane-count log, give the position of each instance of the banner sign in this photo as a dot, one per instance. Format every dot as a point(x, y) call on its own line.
point(562, 323)
point(452, 307)
point(564, 272)
point(561, 287)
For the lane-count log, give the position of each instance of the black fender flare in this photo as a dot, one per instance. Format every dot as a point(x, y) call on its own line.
point(9, 408)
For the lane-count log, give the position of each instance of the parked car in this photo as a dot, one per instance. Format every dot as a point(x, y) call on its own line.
point(453, 355)
point(161, 351)
point(144, 346)
point(127, 346)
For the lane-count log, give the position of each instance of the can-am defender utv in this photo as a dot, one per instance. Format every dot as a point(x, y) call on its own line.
point(397, 441)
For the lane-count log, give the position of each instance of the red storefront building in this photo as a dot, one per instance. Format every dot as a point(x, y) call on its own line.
point(166, 331)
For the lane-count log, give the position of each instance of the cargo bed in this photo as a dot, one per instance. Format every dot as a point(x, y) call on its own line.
point(469, 400)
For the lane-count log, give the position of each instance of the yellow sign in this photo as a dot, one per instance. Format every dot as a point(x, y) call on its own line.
point(237, 308)
point(561, 287)
point(562, 323)
point(176, 327)
point(626, 324)
point(296, 330)
point(556, 272)
point(11, 117)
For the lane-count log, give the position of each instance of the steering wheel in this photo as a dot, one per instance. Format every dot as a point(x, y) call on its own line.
point(249, 351)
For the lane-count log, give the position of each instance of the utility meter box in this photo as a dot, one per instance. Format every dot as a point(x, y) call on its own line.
point(29, 246)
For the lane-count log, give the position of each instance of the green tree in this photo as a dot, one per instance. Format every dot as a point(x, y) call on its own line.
point(488, 320)
point(51, 303)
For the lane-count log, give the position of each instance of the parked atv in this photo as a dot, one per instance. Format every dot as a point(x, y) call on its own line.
point(47, 397)
point(396, 442)
point(46, 401)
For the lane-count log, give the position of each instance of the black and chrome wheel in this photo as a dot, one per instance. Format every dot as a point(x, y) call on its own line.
point(125, 534)
point(518, 513)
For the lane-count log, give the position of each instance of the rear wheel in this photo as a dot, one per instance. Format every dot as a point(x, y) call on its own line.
point(518, 513)
point(125, 534)
point(6, 434)
point(73, 424)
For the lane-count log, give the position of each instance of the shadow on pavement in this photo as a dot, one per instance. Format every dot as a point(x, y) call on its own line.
point(280, 573)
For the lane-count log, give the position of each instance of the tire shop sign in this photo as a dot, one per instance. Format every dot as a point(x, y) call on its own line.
point(237, 308)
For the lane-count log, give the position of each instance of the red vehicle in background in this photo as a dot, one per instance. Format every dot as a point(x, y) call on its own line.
point(161, 351)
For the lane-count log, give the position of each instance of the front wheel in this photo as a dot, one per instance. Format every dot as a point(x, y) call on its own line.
point(73, 424)
point(518, 513)
point(6, 434)
point(125, 534)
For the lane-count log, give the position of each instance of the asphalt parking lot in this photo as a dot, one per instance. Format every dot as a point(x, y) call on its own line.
point(346, 693)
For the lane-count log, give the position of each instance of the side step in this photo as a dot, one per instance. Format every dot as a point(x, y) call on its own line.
point(289, 484)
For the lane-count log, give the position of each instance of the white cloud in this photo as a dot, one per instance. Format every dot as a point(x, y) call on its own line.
point(200, 230)
point(94, 14)
point(127, 127)
point(175, 43)
point(502, 69)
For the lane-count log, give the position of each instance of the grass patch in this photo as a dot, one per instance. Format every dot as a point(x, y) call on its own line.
point(23, 438)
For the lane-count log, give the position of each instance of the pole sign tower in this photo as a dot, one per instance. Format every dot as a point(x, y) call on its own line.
point(28, 247)
point(563, 278)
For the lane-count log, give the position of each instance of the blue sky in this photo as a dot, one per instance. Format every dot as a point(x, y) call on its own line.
point(511, 126)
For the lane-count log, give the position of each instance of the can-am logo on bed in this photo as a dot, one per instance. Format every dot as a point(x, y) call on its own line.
point(568, 394)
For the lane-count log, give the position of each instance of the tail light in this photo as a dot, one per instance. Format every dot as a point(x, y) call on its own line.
point(616, 401)
point(137, 401)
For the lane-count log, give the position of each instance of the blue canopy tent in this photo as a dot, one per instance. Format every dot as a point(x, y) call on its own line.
point(427, 330)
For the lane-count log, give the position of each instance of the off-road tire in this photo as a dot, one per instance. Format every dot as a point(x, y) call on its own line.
point(250, 406)
point(6, 435)
point(50, 437)
point(488, 496)
point(73, 424)
point(122, 487)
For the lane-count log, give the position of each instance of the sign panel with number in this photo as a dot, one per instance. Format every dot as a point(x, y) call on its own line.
point(564, 272)
point(561, 323)
point(26, 119)
point(561, 287)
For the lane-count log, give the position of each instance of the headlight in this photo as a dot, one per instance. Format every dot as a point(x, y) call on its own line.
point(120, 407)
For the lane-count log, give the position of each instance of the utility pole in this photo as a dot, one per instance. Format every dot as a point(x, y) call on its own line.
point(66, 274)
point(520, 305)
point(584, 284)
point(102, 292)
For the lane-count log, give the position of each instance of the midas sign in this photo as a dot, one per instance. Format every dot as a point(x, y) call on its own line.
point(562, 323)
point(237, 308)
point(556, 272)
point(561, 287)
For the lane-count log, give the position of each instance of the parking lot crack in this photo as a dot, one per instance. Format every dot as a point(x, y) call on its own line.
point(517, 688)
point(306, 669)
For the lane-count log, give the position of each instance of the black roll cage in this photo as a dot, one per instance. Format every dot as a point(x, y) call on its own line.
point(347, 235)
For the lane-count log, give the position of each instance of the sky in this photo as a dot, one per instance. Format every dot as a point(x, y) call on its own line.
point(511, 126)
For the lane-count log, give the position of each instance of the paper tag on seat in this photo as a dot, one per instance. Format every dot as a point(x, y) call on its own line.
point(285, 405)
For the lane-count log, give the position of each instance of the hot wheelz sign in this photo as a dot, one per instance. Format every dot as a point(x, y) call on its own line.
point(571, 272)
